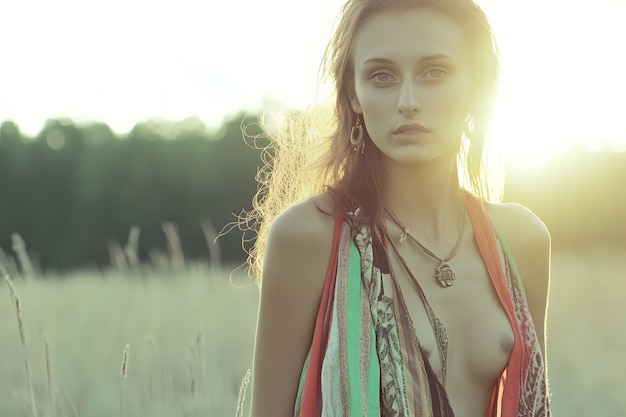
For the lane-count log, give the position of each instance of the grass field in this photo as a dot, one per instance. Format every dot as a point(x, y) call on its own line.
point(191, 334)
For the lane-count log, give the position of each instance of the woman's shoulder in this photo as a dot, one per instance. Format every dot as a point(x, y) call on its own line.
point(528, 240)
point(517, 224)
point(309, 221)
point(299, 243)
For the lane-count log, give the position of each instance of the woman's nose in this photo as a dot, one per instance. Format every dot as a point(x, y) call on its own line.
point(408, 102)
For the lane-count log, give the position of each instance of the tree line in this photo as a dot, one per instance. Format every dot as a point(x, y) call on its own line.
point(73, 190)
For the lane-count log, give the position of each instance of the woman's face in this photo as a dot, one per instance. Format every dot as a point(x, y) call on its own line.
point(411, 68)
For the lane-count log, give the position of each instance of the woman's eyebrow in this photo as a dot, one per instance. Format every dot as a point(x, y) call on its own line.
point(420, 61)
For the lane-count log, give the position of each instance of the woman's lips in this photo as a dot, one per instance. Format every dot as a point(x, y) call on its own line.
point(411, 129)
point(410, 132)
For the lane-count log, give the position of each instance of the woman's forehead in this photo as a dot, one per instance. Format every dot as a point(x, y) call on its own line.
point(408, 36)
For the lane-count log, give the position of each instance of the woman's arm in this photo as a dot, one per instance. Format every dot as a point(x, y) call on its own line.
point(294, 267)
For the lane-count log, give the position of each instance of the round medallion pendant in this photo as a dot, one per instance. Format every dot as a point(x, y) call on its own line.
point(445, 275)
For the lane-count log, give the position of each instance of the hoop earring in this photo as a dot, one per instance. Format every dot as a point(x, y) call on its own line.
point(357, 141)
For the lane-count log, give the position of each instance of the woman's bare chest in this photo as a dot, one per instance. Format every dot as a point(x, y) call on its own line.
point(478, 333)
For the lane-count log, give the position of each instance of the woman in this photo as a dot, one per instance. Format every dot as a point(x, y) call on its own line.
point(389, 292)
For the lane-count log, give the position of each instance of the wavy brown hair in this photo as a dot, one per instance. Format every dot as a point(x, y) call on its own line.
point(310, 152)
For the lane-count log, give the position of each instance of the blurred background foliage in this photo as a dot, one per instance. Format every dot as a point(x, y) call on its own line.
point(72, 190)
point(75, 188)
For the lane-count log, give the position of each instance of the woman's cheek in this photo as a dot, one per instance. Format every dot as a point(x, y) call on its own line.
point(453, 105)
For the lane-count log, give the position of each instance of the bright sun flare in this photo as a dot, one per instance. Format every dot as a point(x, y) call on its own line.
point(561, 80)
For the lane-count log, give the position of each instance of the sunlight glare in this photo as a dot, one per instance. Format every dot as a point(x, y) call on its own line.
point(561, 82)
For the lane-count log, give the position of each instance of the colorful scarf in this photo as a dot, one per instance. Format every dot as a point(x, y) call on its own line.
point(360, 361)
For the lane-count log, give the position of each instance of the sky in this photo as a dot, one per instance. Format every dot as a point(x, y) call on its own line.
point(122, 62)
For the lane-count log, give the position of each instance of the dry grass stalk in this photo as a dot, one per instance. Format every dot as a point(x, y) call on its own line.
point(151, 381)
point(118, 259)
point(210, 235)
point(51, 402)
point(132, 247)
point(174, 246)
point(191, 372)
point(20, 325)
point(158, 260)
point(199, 360)
point(19, 247)
point(242, 394)
point(9, 262)
point(196, 368)
point(123, 375)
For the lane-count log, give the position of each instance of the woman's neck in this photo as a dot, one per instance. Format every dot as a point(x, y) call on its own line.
point(426, 198)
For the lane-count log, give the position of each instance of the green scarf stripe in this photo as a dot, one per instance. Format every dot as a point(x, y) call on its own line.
point(372, 405)
point(511, 261)
point(353, 324)
point(373, 378)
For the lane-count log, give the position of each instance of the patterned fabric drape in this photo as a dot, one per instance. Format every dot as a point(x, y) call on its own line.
point(363, 361)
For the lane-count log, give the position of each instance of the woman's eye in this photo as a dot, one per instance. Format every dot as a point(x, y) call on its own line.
point(382, 77)
point(436, 74)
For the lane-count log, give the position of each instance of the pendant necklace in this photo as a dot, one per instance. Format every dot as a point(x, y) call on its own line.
point(443, 272)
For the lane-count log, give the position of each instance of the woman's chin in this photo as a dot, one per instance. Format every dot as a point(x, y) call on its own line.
point(418, 155)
